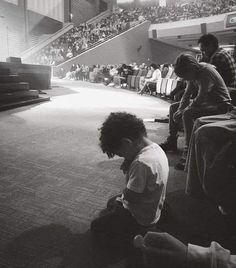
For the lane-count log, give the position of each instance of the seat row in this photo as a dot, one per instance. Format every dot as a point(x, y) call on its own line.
point(164, 86)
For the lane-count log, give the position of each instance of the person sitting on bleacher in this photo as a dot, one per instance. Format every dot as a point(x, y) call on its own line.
point(120, 80)
point(126, 71)
point(112, 73)
point(165, 70)
point(220, 58)
point(225, 65)
point(212, 98)
point(150, 81)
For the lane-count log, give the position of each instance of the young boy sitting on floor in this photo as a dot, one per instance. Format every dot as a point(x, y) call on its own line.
point(146, 169)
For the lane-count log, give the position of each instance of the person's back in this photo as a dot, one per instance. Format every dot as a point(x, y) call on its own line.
point(147, 175)
point(225, 65)
point(220, 58)
point(217, 91)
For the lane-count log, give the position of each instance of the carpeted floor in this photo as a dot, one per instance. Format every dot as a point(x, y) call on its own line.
point(54, 180)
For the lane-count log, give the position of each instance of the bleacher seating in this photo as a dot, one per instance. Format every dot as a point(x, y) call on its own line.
point(164, 86)
point(134, 80)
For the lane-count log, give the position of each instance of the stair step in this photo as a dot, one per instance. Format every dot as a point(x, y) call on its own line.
point(15, 96)
point(9, 78)
point(5, 71)
point(10, 87)
point(20, 103)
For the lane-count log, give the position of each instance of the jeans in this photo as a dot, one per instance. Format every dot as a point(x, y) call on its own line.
point(189, 115)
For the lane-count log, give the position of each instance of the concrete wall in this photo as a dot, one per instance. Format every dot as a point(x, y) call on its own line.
point(12, 28)
point(165, 53)
point(84, 10)
point(131, 46)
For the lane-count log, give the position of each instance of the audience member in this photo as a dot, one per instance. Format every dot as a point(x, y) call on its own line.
point(146, 169)
point(165, 70)
point(156, 74)
point(220, 58)
point(212, 98)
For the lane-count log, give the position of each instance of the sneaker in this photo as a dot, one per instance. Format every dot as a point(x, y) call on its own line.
point(181, 164)
point(170, 144)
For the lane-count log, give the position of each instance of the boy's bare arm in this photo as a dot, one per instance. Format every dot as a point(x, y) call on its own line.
point(131, 196)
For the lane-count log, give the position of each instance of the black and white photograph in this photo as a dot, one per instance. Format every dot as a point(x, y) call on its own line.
point(117, 133)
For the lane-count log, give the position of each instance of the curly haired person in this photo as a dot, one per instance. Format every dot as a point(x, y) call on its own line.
point(146, 172)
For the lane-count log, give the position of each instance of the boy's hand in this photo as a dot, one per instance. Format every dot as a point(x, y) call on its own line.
point(163, 250)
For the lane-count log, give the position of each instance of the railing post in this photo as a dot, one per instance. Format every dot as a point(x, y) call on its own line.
point(26, 23)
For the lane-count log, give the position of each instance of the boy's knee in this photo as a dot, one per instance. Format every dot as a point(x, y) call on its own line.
point(95, 227)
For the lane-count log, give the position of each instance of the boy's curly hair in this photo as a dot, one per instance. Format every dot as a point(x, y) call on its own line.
point(120, 125)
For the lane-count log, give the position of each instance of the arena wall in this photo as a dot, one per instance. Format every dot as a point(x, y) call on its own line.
point(12, 31)
point(166, 53)
point(83, 10)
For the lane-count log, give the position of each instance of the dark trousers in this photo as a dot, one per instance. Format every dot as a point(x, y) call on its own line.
point(115, 229)
point(173, 126)
point(116, 226)
point(189, 115)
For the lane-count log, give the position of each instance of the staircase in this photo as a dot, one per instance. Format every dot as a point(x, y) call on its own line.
point(15, 93)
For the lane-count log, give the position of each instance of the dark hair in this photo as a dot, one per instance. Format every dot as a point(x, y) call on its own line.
point(208, 39)
point(117, 126)
point(185, 63)
point(154, 66)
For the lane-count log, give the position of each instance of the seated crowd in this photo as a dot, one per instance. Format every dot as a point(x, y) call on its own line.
point(116, 75)
point(186, 10)
point(85, 36)
point(131, 220)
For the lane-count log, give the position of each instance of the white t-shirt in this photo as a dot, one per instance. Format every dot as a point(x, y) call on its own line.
point(147, 175)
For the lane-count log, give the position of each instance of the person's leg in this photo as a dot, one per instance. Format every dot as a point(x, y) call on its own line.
point(117, 228)
point(216, 163)
point(143, 89)
point(171, 143)
point(189, 116)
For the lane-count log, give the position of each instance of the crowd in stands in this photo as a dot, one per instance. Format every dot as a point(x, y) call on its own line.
point(85, 36)
point(188, 10)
